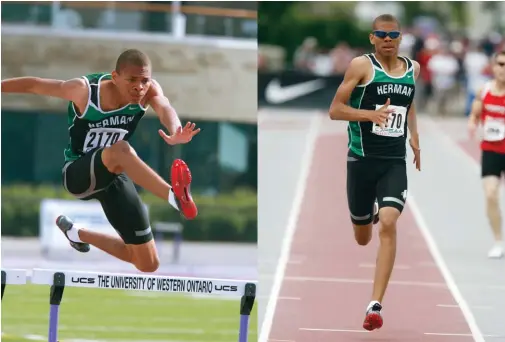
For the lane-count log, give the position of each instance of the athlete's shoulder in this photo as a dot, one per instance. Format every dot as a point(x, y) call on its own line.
point(94, 77)
point(417, 68)
point(154, 91)
point(358, 66)
point(483, 90)
point(360, 61)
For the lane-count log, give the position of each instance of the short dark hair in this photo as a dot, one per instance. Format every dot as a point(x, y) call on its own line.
point(132, 57)
point(385, 18)
point(497, 54)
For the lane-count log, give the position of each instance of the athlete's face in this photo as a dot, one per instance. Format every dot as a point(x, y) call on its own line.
point(386, 38)
point(133, 82)
point(499, 68)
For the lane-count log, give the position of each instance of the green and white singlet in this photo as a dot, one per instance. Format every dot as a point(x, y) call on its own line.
point(366, 139)
point(98, 128)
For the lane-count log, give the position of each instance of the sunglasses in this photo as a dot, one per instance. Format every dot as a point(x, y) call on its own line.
point(384, 34)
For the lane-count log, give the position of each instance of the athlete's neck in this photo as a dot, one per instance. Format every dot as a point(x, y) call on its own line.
point(111, 97)
point(499, 87)
point(388, 62)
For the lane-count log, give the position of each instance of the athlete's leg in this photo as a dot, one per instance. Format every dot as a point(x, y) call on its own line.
point(87, 178)
point(391, 194)
point(121, 157)
point(492, 166)
point(361, 198)
point(491, 189)
point(388, 216)
point(126, 213)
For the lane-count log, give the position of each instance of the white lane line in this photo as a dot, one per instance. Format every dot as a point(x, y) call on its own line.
point(442, 266)
point(335, 330)
point(290, 229)
point(460, 335)
point(362, 281)
point(398, 267)
point(455, 306)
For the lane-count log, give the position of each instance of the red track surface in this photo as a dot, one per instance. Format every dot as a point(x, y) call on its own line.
point(325, 246)
point(470, 147)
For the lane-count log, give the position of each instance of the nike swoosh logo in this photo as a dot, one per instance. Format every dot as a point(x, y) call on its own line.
point(275, 93)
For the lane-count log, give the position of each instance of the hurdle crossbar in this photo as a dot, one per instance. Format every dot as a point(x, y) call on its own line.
point(58, 280)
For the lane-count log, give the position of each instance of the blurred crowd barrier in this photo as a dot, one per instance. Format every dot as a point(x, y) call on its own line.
point(204, 79)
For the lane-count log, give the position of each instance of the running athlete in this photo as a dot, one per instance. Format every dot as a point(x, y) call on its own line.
point(488, 108)
point(103, 112)
point(376, 98)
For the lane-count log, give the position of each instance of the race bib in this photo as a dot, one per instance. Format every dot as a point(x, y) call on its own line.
point(394, 126)
point(103, 137)
point(494, 129)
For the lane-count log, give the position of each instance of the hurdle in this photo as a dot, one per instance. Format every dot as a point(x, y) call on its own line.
point(58, 280)
point(161, 228)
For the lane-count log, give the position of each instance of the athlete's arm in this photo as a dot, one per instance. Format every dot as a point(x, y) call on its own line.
point(163, 108)
point(412, 125)
point(412, 115)
point(476, 108)
point(72, 90)
point(169, 118)
point(475, 113)
point(355, 73)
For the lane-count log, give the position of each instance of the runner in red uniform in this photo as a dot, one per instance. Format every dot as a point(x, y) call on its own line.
point(488, 109)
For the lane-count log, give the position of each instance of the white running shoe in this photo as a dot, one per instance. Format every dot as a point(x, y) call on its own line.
point(496, 252)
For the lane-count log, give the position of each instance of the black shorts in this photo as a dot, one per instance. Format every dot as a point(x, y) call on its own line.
point(371, 179)
point(87, 178)
point(493, 164)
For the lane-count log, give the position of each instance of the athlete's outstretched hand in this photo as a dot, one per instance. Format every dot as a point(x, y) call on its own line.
point(417, 152)
point(381, 115)
point(182, 136)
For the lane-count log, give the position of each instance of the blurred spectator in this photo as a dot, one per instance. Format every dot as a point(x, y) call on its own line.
point(341, 57)
point(475, 63)
point(262, 63)
point(444, 68)
point(305, 55)
point(423, 54)
point(409, 40)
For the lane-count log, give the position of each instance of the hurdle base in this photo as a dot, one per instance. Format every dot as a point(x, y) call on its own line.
point(56, 293)
point(246, 306)
point(55, 297)
point(4, 282)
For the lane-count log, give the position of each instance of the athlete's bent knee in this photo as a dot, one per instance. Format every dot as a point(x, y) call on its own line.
point(148, 265)
point(363, 234)
point(144, 256)
point(113, 157)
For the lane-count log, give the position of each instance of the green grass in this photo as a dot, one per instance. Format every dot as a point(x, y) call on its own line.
point(116, 315)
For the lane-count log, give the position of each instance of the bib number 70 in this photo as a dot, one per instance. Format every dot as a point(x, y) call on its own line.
point(103, 137)
point(395, 123)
